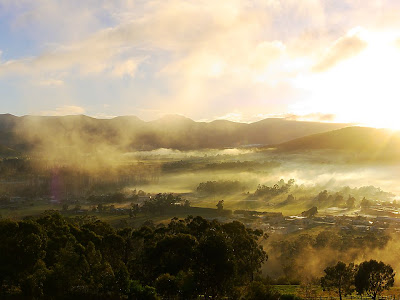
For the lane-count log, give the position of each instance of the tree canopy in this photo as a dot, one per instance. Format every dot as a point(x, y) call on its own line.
point(60, 258)
point(339, 278)
point(373, 277)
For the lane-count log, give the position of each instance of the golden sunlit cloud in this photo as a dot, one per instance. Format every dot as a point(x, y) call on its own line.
point(343, 48)
point(362, 88)
point(317, 117)
point(64, 110)
point(204, 59)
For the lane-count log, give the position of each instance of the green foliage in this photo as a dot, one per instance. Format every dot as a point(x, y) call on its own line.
point(279, 188)
point(220, 205)
point(292, 252)
point(139, 292)
point(326, 199)
point(339, 278)
point(167, 286)
point(366, 203)
point(350, 202)
point(59, 258)
point(373, 278)
point(161, 203)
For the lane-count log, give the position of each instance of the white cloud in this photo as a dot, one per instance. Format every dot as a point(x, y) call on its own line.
point(64, 111)
point(51, 82)
point(125, 68)
point(343, 48)
point(199, 58)
point(103, 116)
point(265, 53)
point(202, 39)
point(92, 56)
point(233, 116)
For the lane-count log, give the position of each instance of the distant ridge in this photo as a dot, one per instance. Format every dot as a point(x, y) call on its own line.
point(375, 143)
point(129, 133)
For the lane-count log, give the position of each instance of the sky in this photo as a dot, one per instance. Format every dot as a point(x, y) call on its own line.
point(241, 60)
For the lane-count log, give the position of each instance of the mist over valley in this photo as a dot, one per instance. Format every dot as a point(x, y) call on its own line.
point(193, 150)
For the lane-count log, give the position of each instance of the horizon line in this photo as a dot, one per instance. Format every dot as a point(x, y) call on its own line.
point(166, 116)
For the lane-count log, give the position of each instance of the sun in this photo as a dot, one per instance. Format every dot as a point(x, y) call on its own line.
point(363, 89)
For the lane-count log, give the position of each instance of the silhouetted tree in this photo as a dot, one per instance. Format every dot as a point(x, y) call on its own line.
point(373, 278)
point(339, 278)
point(220, 205)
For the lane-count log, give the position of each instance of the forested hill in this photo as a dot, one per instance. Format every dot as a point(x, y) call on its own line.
point(52, 257)
point(129, 133)
point(371, 142)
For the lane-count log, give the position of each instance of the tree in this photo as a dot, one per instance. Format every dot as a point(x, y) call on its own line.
point(215, 267)
point(220, 205)
point(21, 249)
point(186, 203)
point(290, 198)
point(365, 203)
point(310, 213)
point(248, 253)
point(322, 196)
point(350, 202)
point(137, 291)
point(173, 253)
point(134, 210)
point(373, 278)
point(339, 278)
point(338, 199)
point(85, 258)
point(167, 286)
point(161, 203)
point(279, 188)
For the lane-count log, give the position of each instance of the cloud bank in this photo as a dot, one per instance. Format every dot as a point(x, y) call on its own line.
point(196, 58)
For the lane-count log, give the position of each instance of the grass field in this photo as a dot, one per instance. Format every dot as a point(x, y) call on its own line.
point(393, 293)
point(287, 289)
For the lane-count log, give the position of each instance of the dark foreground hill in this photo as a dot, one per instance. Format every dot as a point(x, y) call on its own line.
point(129, 133)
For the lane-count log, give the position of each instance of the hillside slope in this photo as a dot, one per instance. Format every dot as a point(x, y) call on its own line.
point(368, 142)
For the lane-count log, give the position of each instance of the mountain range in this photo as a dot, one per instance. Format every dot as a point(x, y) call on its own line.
point(83, 134)
point(129, 133)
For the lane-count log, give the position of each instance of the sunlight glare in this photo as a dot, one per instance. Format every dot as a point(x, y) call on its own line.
point(362, 89)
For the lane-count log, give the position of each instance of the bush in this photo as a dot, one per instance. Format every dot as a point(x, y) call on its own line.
point(259, 291)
